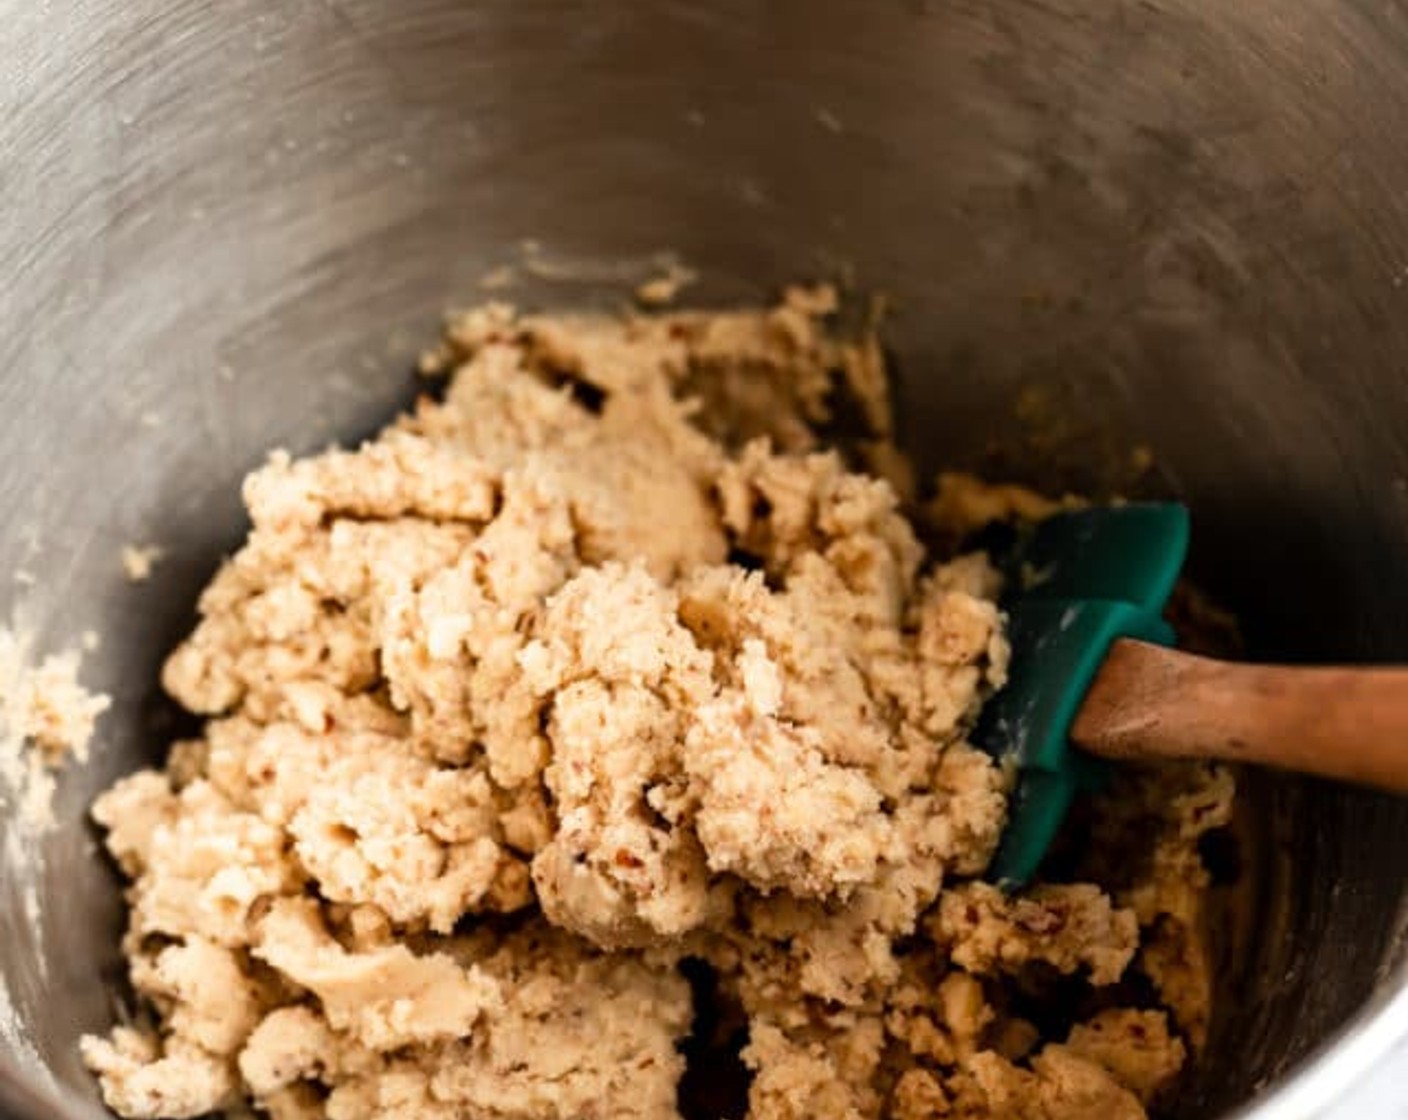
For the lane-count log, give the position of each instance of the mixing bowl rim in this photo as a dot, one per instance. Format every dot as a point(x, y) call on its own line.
point(1349, 1054)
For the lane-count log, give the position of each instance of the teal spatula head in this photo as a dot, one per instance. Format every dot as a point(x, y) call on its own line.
point(1076, 582)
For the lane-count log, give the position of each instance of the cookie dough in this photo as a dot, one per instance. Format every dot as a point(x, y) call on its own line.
point(47, 719)
point(597, 700)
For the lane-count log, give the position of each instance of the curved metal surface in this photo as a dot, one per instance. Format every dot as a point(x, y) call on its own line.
point(1179, 223)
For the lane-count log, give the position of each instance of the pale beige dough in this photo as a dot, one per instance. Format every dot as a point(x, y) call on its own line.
point(602, 662)
point(47, 719)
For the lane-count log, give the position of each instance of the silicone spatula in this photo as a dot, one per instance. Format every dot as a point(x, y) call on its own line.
point(1092, 678)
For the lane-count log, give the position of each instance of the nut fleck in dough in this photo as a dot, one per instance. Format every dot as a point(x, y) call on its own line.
point(602, 665)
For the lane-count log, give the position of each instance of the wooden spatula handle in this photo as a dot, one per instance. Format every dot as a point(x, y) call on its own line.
point(1346, 723)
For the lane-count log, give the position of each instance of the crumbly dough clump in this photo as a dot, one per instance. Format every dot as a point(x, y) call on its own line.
point(597, 673)
point(47, 719)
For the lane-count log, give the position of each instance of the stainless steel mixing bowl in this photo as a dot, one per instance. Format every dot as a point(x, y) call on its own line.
point(225, 227)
